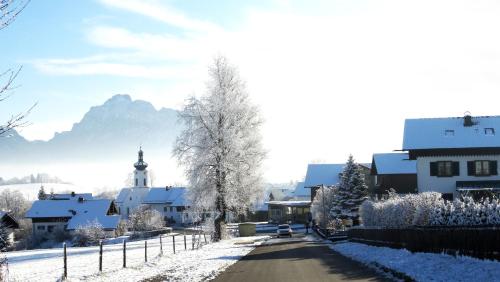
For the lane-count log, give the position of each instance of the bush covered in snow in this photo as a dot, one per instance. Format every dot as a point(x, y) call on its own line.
point(145, 219)
point(429, 209)
point(88, 234)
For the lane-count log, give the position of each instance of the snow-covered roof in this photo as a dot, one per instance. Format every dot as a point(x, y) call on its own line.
point(122, 195)
point(74, 197)
point(78, 213)
point(174, 196)
point(323, 174)
point(289, 203)
point(440, 133)
point(394, 163)
point(301, 191)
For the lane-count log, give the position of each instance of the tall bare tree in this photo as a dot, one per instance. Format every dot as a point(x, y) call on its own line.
point(9, 10)
point(221, 146)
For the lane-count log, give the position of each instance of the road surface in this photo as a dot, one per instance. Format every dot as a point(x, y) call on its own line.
point(296, 260)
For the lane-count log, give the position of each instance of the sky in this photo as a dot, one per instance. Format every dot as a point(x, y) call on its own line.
point(332, 78)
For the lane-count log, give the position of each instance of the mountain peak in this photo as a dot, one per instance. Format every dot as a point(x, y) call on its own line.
point(119, 98)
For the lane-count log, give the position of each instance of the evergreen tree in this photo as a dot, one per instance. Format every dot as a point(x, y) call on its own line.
point(351, 193)
point(41, 194)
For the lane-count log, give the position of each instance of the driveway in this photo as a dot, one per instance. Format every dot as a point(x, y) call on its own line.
point(296, 259)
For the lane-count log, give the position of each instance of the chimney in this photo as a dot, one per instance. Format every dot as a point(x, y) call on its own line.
point(73, 194)
point(468, 120)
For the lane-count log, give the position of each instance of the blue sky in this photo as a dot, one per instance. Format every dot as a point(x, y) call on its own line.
point(331, 77)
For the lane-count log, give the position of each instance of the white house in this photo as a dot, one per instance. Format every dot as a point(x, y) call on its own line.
point(455, 155)
point(129, 199)
point(171, 202)
point(49, 216)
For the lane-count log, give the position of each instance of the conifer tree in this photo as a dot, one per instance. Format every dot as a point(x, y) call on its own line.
point(351, 193)
point(41, 194)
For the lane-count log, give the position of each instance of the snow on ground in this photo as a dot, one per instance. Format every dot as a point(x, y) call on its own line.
point(422, 266)
point(185, 265)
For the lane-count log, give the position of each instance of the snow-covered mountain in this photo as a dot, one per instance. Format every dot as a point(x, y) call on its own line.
point(113, 130)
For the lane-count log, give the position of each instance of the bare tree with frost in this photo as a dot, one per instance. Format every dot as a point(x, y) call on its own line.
point(221, 146)
point(9, 10)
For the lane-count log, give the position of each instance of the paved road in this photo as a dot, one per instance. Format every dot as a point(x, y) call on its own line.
point(296, 260)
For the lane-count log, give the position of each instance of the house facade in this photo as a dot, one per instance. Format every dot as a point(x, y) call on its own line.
point(171, 203)
point(455, 155)
point(50, 216)
point(394, 171)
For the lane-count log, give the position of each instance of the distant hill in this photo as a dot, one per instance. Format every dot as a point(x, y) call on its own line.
point(113, 130)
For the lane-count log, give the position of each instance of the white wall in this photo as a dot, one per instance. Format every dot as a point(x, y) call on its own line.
point(427, 183)
point(179, 217)
point(37, 232)
point(132, 201)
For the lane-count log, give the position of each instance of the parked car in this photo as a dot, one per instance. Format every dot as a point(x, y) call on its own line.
point(284, 230)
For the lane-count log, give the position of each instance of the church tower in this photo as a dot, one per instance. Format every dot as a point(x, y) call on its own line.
point(141, 173)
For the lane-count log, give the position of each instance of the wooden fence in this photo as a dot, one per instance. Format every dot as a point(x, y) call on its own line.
point(198, 239)
point(480, 242)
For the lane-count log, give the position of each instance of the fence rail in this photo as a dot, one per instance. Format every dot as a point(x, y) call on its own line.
point(107, 257)
point(483, 242)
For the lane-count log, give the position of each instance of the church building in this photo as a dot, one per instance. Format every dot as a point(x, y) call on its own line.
point(131, 198)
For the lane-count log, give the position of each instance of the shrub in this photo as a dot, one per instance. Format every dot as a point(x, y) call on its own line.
point(429, 209)
point(145, 219)
point(88, 234)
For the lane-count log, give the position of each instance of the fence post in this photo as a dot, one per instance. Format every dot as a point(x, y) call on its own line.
point(146, 250)
point(100, 256)
point(173, 242)
point(161, 246)
point(193, 238)
point(185, 245)
point(124, 253)
point(65, 262)
point(204, 236)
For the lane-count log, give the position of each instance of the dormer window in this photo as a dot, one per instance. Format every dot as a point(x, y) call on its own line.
point(489, 131)
point(449, 132)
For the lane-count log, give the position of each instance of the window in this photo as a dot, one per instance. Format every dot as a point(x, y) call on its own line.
point(179, 209)
point(50, 228)
point(40, 227)
point(444, 169)
point(136, 182)
point(449, 132)
point(165, 209)
point(489, 131)
point(130, 198)
point(482, 168)
point(144, 181)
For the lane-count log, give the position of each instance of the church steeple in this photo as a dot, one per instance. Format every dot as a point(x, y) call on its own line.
point(140, 173)
point(141, 164)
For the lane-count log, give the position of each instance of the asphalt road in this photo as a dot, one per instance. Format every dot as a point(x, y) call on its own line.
point(296, 260)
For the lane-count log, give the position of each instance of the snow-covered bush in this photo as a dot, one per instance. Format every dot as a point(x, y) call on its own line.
point(145, 219)
point(429, 209)
point(317, 207)
point(466, 212)
point(88, 234)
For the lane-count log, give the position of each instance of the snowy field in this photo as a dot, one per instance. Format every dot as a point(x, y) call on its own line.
point(423, 266)
point(30, 191)
point(190, 265)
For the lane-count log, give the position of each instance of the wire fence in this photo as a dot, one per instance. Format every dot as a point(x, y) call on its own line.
point(87, 261)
